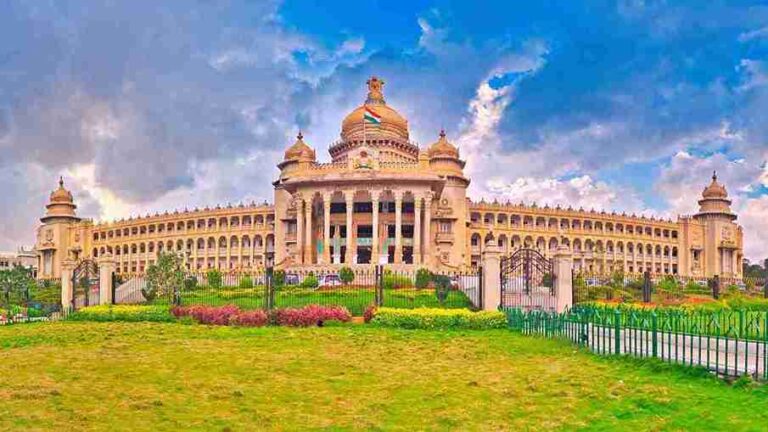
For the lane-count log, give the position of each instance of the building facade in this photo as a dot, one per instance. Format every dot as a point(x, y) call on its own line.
point(22, 257)
point(384, 200)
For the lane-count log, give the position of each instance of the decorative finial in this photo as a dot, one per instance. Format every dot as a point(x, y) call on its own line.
point(442, 133)
point(375, 94)
point(61, 181)
point(714, 175)
point(300, 136)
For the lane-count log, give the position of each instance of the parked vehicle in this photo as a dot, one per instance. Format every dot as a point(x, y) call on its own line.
point(330, 280)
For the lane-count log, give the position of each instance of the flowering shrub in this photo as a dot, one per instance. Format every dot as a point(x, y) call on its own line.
point(219, 315)
point(369, 314)
point(251, 318)
point(424, 318)
point(311, 315)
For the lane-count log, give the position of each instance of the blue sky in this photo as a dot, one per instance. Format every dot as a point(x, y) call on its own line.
point(625, 106)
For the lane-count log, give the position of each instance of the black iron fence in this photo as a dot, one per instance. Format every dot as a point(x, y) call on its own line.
point(355, 289)
point(34, 300)
point(662, 289)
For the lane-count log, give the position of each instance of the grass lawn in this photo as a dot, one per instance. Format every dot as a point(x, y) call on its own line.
point(144, 376)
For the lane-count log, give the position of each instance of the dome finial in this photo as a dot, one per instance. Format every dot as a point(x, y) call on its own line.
point(714, 175)
point(442, 133)
point(300, 136)
point(375, 93)
point(61, 181)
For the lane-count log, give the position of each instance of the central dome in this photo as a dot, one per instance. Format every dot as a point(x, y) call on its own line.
point(374, 119)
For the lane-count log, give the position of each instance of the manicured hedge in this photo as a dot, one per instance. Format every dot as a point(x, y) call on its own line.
point(133, 313)
point(424, 318)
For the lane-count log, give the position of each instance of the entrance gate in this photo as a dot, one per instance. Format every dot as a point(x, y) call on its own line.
point(85, 284)
point(528, 281)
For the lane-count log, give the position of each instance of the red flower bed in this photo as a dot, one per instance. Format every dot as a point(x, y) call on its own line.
point(222, 315)
point(311, 315)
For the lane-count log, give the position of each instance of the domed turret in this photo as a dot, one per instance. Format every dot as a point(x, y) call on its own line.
point(374, 118)
point(299, 150)
point(715, 189)
point(442, 148)
point(61, 205)
point(715, 202)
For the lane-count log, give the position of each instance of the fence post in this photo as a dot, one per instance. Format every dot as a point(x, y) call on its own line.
point(491, 267)
point(269, 300)
point(617, 332)
point(114, 288)
point(67, 289)
point(106, 268)
point(480, 289)
point(716, 287)
point(646, 286)
point(379, 297)
point(563, 272)
point(655, 334)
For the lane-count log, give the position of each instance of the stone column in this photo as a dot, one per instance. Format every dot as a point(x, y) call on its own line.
point(299, 230)
point(308, 233)
point(417, 231)
point(67, 290)
point(327, 228)
point(375, 254)
point(563, 269)
point(106, 268)
point(491, 263)
point(427, 256)
point(398, 227)
point(349, 196)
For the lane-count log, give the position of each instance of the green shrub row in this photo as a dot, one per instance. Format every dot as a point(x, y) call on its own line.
point(131, 313)
point(442, 319)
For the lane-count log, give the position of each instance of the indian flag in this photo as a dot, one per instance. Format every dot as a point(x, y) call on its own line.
point(370, 116)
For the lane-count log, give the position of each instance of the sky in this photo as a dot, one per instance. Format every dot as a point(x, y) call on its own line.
point(151, 106)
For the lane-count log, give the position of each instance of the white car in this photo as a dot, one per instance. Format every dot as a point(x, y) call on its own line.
point(330, 280)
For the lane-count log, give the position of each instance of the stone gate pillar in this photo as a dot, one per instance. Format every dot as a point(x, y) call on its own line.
point(563, 269)
point(106, 268)
point(67, 290)
point(491, 263)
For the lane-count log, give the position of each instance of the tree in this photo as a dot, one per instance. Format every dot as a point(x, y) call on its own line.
point(15, 284)
point(346, 275)
point(214, 278)
point(423, 276)
point(165, 277)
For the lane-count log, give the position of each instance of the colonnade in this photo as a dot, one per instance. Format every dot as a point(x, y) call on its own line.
point(422, 247)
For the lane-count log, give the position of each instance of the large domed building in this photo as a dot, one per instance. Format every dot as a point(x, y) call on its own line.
point(382, 199)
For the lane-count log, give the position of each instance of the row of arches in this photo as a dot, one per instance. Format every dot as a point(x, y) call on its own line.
point(577, 245)
point(504, 220)
point(244, 244)
point(211, 223)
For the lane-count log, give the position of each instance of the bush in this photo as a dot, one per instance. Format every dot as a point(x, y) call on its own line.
point(394, 281)
point(312, 315)
point(442, 319)
point(251, 318)
point(423, 277)
point(310, 282)
point(214, 315)
point(278, 279)
point(369, 314)
point(245, 283)
point(442, 287)
point(131, 313)
point(346, 275)
point(190, 283)
point(213, 277)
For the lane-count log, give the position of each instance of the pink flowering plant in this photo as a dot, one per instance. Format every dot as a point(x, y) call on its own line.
point(312, 315)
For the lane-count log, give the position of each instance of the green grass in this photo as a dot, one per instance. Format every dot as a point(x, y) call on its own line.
point(169, 377)
point(355, 299)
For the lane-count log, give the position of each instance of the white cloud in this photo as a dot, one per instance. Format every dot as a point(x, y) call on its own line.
point(754, 34)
